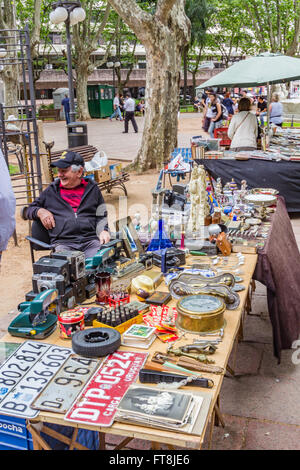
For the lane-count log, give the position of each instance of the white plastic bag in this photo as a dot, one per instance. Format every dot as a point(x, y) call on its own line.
point(98, 161)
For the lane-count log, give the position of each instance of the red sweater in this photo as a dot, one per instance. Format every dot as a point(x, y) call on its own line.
point(73, 196)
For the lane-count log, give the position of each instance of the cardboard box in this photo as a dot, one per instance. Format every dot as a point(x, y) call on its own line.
point(115, 170)
point(103, 174)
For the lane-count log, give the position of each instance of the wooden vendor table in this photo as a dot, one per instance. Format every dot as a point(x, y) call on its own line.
point(234, 321)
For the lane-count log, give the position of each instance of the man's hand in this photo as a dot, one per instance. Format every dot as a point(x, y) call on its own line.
point(46, 217)
point(104, 237)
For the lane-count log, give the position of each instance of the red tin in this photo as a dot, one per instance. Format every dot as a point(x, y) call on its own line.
point(69, 322)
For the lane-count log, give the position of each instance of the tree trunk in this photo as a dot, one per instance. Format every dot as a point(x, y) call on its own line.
point(162, 102)
point(10, 79)
point(82, 74)
point(163, 34)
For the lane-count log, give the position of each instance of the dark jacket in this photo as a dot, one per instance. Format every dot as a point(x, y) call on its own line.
point(77, 227)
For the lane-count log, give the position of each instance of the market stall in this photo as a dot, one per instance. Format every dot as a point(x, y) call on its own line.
point(158, 436)
point(282, 175)
point(135, 341)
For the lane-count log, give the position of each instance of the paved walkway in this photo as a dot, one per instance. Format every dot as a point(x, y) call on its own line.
point(107, 135)
point(261, 403)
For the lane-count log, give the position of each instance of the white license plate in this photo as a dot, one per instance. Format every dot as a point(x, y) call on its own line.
point(67, 383)
point(17, 402)
point(18, 365)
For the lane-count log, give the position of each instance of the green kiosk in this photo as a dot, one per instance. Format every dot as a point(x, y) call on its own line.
point(100, 100)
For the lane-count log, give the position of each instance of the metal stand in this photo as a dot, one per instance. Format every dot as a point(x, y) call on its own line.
point(21, 146)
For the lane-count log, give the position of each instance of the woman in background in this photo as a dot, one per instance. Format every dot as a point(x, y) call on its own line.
point(243, 128)
point(276, 110)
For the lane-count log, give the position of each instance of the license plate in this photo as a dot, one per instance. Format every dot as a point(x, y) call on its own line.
point(98, 402)
point(17, 402)
point(66, 385)
point(18, 365)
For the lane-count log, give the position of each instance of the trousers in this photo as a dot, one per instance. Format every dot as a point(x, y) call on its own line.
point(129, 116)
point(89, 248)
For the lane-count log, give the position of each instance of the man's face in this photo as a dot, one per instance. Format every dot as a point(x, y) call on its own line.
point(68, 178)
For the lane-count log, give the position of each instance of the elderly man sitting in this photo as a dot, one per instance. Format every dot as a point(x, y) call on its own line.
point(72, 208)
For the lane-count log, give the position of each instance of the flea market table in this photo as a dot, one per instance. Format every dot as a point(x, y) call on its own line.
point(283, 176)
point(234, 323)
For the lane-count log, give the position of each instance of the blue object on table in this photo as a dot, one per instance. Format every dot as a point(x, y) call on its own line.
point(160, 239)
point(227, 209)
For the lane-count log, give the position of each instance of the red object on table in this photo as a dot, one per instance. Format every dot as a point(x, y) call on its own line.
point(97, 403)
point(114, 303)
point(221, 133)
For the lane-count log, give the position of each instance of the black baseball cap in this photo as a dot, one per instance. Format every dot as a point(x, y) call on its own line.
point(67, 159)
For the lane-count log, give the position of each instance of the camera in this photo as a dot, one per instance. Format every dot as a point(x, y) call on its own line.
point(76, 260)
point(45, 281)
point(47, 265)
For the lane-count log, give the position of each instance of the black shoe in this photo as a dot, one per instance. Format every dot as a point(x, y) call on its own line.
point(124, 132)
point(136, 132)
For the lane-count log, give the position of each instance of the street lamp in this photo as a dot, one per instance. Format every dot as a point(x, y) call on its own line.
point(113, 65)
point(69, 13)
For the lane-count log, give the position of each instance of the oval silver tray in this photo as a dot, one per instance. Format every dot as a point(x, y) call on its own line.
point(259, 199)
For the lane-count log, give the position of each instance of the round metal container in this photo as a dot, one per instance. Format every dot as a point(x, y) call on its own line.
point(69, 322)
point(200, 313)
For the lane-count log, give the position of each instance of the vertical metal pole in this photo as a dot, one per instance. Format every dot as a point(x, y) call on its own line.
point(33, 108)
point(3, 140)
point(268, 108)
point(70, 72)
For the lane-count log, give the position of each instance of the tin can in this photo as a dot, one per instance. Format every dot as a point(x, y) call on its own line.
point(69, 322)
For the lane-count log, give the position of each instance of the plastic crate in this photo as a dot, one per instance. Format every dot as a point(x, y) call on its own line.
point(89, 439)
point(14, 434)
point(117, 303)
point(221, 133)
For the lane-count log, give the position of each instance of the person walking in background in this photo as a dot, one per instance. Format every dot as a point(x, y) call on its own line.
point(121, 100)
point(7, 206)
point(65, 104)
point(228, 103)
point(207, 112)
point(129, 107)
point(216, 114)
point(117, 111)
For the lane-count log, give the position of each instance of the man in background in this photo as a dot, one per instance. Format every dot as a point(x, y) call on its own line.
point(7, 206)
point(65, 104)
point(117, 111)
point(129, 107)
point(261, 110)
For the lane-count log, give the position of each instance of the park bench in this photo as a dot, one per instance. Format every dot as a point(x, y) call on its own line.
point(49, 114)
point(87, 152)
